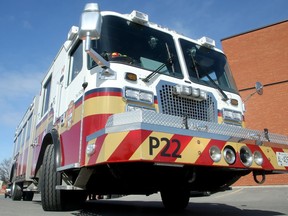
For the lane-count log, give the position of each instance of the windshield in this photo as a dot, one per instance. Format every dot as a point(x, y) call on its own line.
point(208, 67)
point(129, 43)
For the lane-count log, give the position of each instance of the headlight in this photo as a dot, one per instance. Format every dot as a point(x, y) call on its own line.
point(139, 95)
point(229, 155)
point(246, 156)
point(132, 94)
point(232, 116)
point(258, 158)
point(215, 153)
point(146, 96)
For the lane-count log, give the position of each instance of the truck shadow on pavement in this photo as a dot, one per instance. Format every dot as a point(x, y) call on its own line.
point(151, 208)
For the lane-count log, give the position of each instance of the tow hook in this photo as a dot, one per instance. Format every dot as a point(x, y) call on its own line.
point(259, 173)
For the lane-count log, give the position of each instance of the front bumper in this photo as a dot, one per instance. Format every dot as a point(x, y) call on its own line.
point(162, 139)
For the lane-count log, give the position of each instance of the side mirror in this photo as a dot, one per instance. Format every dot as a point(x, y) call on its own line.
point(90, 29)
point(90, 22)
point(259, 88)
point(259, 91)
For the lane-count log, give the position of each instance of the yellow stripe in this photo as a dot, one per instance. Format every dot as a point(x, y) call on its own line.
point(110, 144)
point(193, 150)
point(103, 105)
point(271, 155)
point(97, 105)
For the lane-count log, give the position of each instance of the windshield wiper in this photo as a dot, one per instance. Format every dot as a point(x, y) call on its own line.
point(192, 53)
point(225, 97)
point(158, 70)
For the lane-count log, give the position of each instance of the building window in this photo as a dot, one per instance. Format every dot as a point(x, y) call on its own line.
point(46, 98)
point(76, 61)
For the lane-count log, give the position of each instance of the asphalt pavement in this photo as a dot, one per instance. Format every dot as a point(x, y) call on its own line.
point(252, 201)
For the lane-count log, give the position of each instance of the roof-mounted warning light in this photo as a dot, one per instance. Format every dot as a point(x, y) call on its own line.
point(208, 42)
point(139, 17)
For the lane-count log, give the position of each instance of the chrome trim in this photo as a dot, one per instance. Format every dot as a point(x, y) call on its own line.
point(69, 166)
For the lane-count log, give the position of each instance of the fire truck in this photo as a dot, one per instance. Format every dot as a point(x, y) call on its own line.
point(131, 107)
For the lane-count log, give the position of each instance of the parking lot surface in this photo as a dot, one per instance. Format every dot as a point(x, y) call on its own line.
point(264, 201)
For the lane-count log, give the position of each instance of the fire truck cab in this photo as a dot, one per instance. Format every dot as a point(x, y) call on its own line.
point(130, 107)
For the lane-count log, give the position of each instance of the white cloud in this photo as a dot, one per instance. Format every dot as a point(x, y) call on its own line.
point(19, 84)
point(17, 89)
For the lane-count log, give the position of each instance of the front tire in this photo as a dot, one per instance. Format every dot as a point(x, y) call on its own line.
point(16, 192)
point(52, 199)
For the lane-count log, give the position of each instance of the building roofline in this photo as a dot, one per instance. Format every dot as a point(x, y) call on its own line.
point(249, 31)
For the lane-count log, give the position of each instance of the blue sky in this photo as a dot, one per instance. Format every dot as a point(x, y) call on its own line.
point(32, 32)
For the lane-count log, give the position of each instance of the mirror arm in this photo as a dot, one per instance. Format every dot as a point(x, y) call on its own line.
point(249, 96)
point(94, 55)
point(259, 90)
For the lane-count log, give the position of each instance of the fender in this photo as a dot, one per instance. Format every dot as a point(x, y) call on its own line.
point(52, 137)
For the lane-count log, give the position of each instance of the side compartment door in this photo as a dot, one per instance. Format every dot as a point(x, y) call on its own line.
point(43, 117)
point(71, 106)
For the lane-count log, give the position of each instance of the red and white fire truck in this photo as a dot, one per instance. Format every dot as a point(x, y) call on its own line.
point(130, 107)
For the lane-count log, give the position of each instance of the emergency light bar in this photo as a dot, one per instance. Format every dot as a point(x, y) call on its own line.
point(189, 92)
point(139, 17)
point(208, 42)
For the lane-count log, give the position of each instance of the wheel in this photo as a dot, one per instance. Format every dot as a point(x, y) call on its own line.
point(28, 195)
point(16, 192)
point(175, 200)
point(52, 199)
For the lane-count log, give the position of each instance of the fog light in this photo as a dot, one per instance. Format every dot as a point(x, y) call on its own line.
point(229, 155)
point(90, 149)
point(258, 158)
point(215, 153)
point(246, 156)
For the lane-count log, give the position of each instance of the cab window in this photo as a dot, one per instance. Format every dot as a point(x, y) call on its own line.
point(76, 62)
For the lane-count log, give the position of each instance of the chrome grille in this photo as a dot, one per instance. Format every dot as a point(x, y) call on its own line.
point(171, 104)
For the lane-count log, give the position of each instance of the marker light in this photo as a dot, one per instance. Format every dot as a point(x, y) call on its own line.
point(90, 149)
point(208, 42)
point(131, 76)
point(139, 17)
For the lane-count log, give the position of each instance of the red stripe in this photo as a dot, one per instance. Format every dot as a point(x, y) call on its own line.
point(170, 152)
point(94, 123)
point(98, 94)
point(129, 145)
point(266, 163)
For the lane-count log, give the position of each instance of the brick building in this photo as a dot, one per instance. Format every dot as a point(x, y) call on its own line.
point(262, 55)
